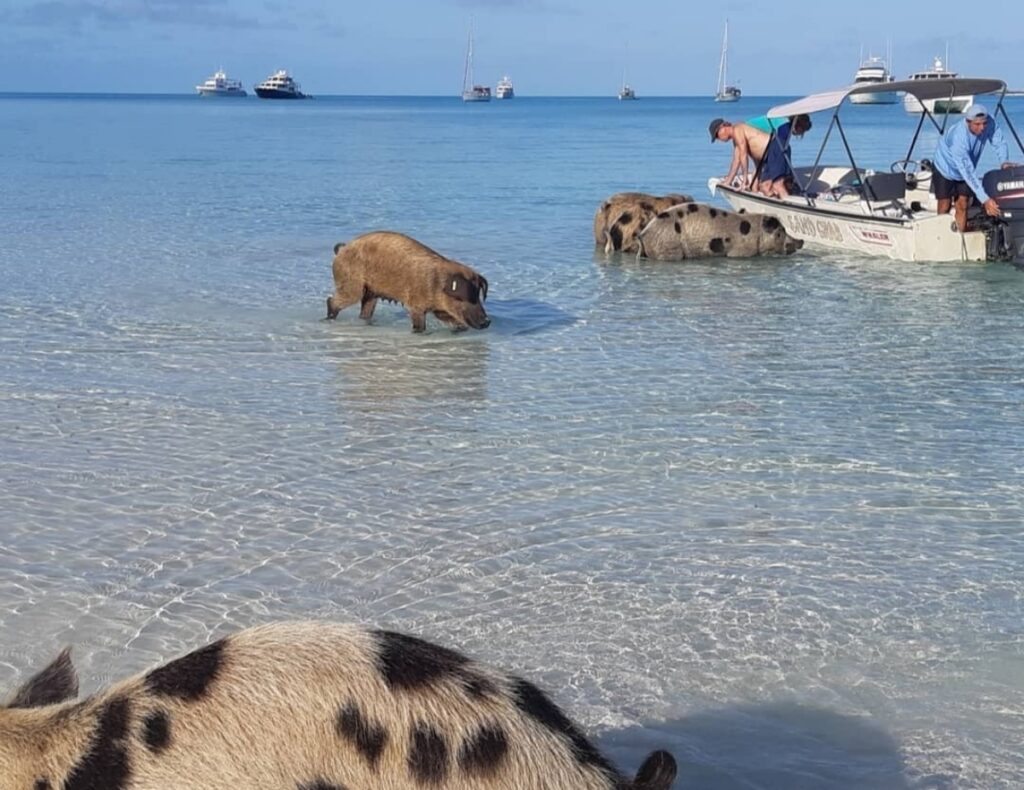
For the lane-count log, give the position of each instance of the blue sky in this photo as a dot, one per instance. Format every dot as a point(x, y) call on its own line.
point(549, 47)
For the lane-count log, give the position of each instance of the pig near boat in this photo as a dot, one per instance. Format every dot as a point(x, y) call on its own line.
point(304, 706)
point(696, 230)
point(395, 267)
point(620, 217)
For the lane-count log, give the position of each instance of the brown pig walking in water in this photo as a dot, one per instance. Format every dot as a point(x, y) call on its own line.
point(696, 230)
point(395, 267)
point(304, 706)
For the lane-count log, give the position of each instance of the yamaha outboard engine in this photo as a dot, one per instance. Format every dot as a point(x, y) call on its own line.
point(1006, 234)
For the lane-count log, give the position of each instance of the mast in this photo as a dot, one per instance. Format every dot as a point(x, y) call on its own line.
point(467, 74)
point(722, 63)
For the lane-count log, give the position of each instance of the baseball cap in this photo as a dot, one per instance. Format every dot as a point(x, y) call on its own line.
point(976, 111)
point(714, 126)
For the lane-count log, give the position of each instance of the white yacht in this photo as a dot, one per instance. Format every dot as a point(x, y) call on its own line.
point(505, 89)
point(873, 71)
point(221, 85)
point(280, 85)
point(938, 106)
point(626, 93)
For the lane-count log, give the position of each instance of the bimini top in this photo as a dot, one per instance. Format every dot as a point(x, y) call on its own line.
point(923, 89)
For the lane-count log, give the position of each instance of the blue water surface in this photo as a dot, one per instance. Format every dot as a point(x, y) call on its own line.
point(764, 513)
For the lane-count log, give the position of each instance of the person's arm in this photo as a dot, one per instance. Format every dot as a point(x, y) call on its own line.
point(739, 158)
point(1002, 150)
point(960, 155)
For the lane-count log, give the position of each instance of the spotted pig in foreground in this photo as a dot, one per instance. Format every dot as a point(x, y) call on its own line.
point(394, 267)
point(696, 230)
point(620, 217)
point(304, 706)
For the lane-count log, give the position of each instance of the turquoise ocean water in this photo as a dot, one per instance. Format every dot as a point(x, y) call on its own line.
point(766, 514)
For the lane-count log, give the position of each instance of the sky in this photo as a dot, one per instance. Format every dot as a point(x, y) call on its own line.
point(548, 47)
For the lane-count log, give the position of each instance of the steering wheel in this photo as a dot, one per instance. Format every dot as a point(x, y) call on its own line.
point(907, 166)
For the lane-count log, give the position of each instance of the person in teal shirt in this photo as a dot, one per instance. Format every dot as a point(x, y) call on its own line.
point(776, 170)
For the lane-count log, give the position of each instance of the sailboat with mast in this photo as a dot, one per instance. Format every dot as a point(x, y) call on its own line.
point(626, 92)
point(472, 92)
point(725, 91)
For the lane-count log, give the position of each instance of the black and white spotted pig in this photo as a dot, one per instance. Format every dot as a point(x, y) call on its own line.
point(619, 218)
point(696, 230)
point(304, 706)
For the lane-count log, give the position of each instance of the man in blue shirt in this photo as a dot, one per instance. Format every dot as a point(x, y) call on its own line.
point(956, 162)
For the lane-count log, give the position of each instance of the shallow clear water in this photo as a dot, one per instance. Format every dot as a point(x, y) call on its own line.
point(766, 514)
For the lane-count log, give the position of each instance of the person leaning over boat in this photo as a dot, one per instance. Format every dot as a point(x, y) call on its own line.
point(955, 174)
point(776, 176)
point(747, 143)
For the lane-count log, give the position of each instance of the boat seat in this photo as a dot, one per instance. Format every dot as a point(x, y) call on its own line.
point(886, 186)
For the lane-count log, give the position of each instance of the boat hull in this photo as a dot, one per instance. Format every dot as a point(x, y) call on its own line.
point(952, 105)
point(216, 94)
point(272, 93)
point(873, 98)
point(846, 228)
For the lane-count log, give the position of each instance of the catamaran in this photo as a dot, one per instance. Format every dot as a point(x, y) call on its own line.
point(891, 212)
point(725, 91)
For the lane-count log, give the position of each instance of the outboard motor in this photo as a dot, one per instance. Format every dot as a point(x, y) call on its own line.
point(1006, 234)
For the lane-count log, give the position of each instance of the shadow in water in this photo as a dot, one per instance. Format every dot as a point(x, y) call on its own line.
point(775, 746)
point(525, 316)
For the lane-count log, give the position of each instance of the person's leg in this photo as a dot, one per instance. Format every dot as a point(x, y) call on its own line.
point(960, 212)
point(943, 205)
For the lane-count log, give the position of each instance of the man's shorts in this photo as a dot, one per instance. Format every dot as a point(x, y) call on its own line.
point(947, 188)
point(775, 164)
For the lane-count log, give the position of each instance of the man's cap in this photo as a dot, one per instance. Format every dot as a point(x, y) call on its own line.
point(714, 126)
point(976, 111)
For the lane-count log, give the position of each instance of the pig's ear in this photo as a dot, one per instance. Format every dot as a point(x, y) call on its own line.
point(56, 683)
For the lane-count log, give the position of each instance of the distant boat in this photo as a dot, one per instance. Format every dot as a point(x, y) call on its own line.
point(280, 85)
point(220, 85)
point(725, 91)
point(626, 93)
point(470, 91)
point(505, 89)
point(873, 71)
point(947, 104)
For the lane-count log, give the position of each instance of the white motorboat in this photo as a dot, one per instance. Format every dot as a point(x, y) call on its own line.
point(939, 105)
point(891, 212)
point(504, 89)
point(873, 71)
point(280, 85)
point(221, 85)
point(472, 92)
point(725, 92)
point(626, 92)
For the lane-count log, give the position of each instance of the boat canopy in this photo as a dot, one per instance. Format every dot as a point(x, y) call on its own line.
point(938, 88)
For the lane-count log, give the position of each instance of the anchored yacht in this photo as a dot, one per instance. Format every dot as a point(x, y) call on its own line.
point(505, 89)
point(873, 71)
point(221, 85)
point(941, 105)
point(280, 85)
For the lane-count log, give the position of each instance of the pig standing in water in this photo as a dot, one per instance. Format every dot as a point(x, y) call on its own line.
point(695, 230)
point(304, 706)
point(397, 268)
